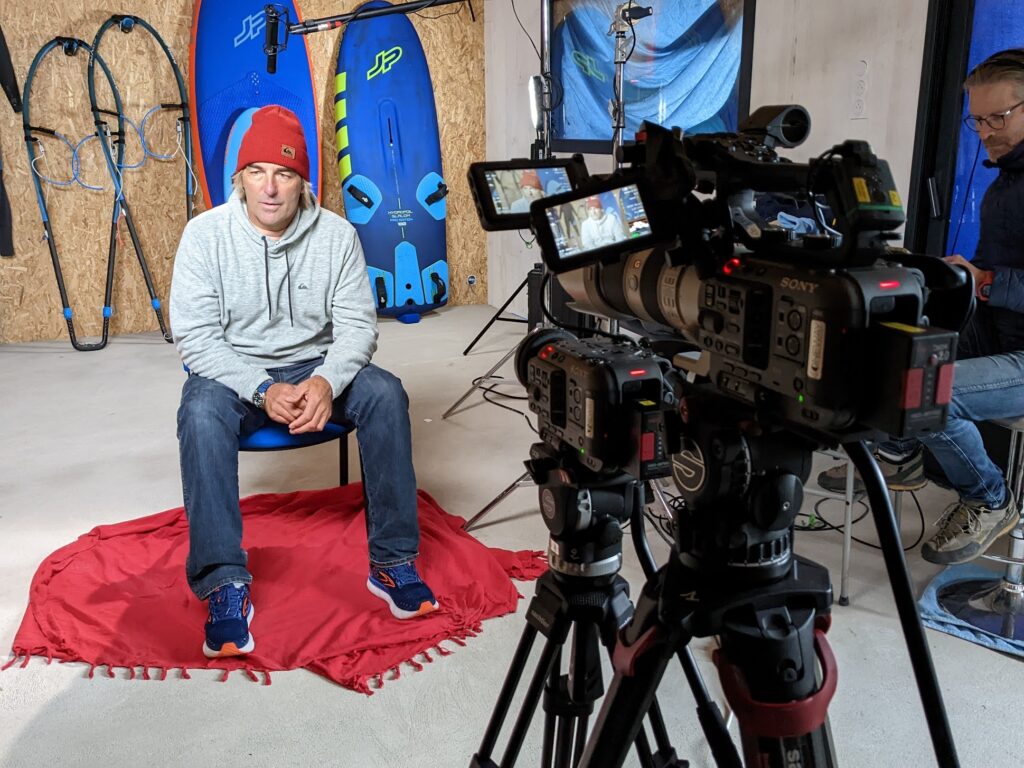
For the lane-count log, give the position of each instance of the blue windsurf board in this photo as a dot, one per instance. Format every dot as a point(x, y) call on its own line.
point(389, 162)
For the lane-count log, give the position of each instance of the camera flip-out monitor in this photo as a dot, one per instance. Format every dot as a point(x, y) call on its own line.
point(599, 222)
point(503, 190)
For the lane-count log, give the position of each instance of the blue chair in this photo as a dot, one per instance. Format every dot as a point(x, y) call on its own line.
point(275, 437)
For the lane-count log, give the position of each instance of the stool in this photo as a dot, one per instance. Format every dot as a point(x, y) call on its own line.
point(275, 437)
point(847, 498)
point(996, 605)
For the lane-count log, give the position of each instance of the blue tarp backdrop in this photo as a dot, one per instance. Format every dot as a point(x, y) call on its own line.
point(684, 69)
point(997, 25)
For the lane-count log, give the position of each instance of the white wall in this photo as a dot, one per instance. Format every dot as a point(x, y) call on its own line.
point(805, 51)
point(509, 61)
point(810, 52)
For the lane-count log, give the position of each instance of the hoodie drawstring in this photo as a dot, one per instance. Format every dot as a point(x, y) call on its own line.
point(266, 281)
point(266, 275)
point(288, 274)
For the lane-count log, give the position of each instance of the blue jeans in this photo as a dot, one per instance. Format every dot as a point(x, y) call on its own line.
point(212, 417)
point(983, 388)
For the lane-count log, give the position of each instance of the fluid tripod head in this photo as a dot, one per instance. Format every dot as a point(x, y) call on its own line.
point(584, 512)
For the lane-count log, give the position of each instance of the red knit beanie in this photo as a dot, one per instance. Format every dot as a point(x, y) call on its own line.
point(594, 202)
point(275, 136)
point(530, 179)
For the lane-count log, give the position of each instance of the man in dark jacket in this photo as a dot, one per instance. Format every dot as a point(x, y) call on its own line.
point(989, 383)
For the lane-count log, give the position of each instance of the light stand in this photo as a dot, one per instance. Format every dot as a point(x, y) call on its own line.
point(540, 116)
point(540, 101)
point(625, 15)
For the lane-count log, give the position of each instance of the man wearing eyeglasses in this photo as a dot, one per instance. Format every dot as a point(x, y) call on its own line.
point(989, 379)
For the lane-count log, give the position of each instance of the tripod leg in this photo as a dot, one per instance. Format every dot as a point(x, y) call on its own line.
point(569, 698)
point(496, 316)
point(515, 740)
point(629, 697)
point(906, 606)
point(523, 479)
point(508, 689)
point(550, 722)
point(565, 724)
point(666, 752)
point(709, 715)
point(478, 383)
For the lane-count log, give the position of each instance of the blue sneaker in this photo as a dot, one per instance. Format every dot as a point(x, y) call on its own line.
point(403, 590)
point(227, 628)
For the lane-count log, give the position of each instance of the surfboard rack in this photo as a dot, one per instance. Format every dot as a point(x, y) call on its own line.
point(277, 19)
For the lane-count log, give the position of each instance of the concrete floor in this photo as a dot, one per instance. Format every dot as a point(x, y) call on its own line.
point(89, 439)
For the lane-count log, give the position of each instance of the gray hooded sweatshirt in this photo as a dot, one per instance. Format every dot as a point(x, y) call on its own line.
point(242, 303)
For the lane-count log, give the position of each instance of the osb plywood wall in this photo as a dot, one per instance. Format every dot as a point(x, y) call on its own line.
point(30, 307)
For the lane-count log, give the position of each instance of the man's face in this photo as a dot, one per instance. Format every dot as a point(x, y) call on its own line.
point(993, 99)
point(532, 193)
point(272, 195)
point(594, 212)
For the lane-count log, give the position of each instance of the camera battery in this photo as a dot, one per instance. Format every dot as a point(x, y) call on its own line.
point(913, 386)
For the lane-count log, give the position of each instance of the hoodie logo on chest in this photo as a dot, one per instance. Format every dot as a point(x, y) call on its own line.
point(303, 287)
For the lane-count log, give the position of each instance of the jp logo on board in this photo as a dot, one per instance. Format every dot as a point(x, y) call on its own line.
point(252, 28)
point(384, 62)
point(588, 65)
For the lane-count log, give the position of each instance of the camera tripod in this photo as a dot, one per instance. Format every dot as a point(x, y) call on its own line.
point(582, 595)
point(732, 573)
point(769, 607)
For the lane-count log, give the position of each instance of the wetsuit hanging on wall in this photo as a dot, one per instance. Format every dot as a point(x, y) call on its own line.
point(10, 86)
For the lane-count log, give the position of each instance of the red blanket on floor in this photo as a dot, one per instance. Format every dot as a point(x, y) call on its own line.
point(117, 597)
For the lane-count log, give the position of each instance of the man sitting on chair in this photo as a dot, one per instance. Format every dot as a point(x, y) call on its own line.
point(273, 316)
point(989, 379)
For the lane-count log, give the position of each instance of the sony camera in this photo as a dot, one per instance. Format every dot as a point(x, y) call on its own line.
point(831, 332)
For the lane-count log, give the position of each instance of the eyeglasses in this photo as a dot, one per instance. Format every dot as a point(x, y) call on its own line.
point(996, 121)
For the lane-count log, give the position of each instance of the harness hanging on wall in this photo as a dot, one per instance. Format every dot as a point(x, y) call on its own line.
point(127, 24)
point(112, 144)
point(70, 47)
point(9, 84)
point(183, 128)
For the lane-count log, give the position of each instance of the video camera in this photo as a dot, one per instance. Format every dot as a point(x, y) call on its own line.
point(611, 406)
point(772, 341)
point(834, 334)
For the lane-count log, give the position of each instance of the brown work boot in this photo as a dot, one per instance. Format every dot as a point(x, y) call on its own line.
point(967, 529)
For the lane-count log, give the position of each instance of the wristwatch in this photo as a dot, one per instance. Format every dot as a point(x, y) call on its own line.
point(259, 396)
point(983, 289)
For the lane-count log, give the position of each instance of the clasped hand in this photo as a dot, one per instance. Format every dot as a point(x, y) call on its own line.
point(304, 407)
